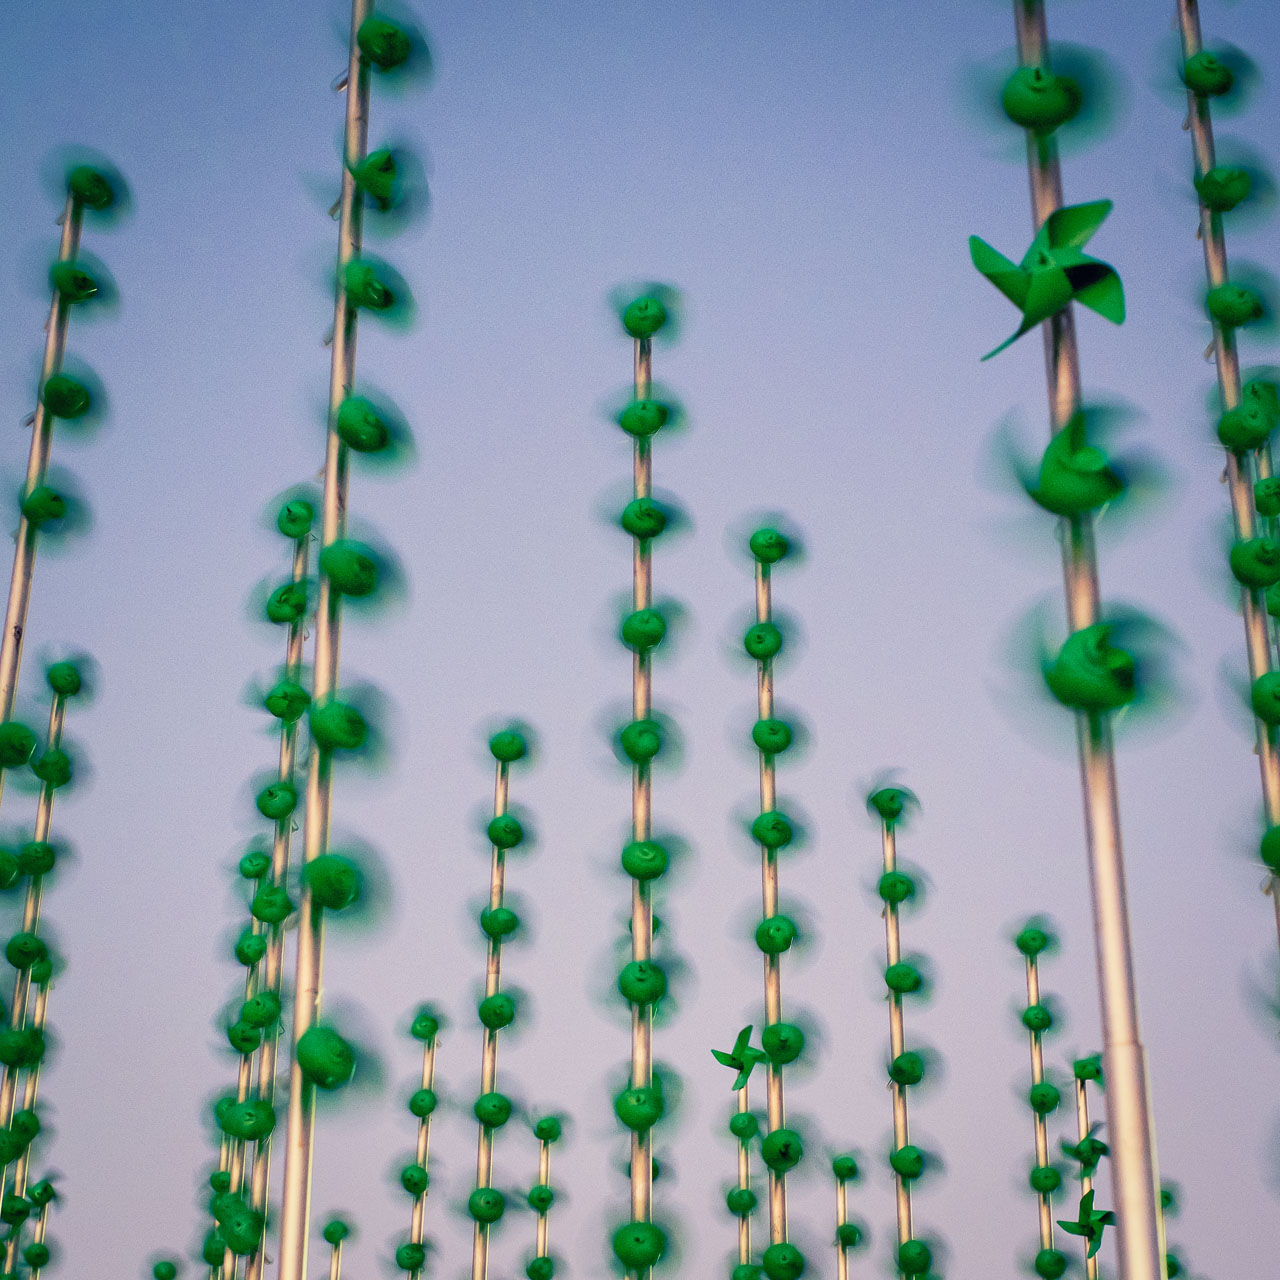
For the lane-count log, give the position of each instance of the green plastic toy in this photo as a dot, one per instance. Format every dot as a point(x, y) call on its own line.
point(768, 545)
point(65, 679)
point(1222, 188)
point(782, 1150)
point(642, 983)
point(93, 188)
point(66, 397)
point(277, 800)
point(1055, 272)
point(325, 1058)
point(775, 934)
point(386, 46)
point(1091, 674)
point(643, 630)
point(742, 1059)
point(1207, 76)
point(783, 1261)
point(771, 736)
point(641, 741)
point(638, 1245)
point(1036, 98)
point(645, 859)
point(1075, 477)
point(295, 518)
point(335, 881)
point(361, 427)
point(644, 316)
point(1089, 1224)
point(337, 726)
point(1232, 306)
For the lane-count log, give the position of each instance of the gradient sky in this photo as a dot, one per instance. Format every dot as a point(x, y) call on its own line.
point(808, 175)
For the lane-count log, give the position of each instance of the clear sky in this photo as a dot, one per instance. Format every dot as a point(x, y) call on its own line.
point(808, 175)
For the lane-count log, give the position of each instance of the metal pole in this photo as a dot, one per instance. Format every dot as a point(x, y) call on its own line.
point(30, 922)
point(1135, 1184)
point(842, 1217)
point(897, 1035)
point(24, 555)
point(744, 1180)
point(641, 819)
point(300, 1129)
point(1086, 1181)
point(24, 1160)
point(542, 1240)
point(1042, 1124)
point(489, 1059)
point(1241, 471)
point(274, 958)
point(417, 1220)
point(774, 1096)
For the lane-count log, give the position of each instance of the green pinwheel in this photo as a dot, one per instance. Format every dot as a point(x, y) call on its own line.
point(742, 1058)
point(1074, 477)
point(1055, 272)
point(1089, 1224)
point(1087, 1152)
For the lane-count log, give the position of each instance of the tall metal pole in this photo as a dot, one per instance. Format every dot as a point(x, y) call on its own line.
point(1241, 469)
point(641, 817)
point(1135, 1183)
point(274, 958)
point(744, 1179)
point(1086, 1179)
point(417, 1229)
point(30, 922)
point(1045, 1198)
point(300, 1128)
point(897, 1034)
point(24, 555)
point(774, 1095)
point(489, 1055)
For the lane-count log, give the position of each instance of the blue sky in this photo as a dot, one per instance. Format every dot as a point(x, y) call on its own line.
point(809, 179)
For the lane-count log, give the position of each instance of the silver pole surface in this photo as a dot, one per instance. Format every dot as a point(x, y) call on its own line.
point(744, 1178)
point(417, 1221)
point(775, 1098)
point(1045, 1198)
point(897, 1035)
point(641, 818)
point(1086, 1180)
point(489, 1055)
point(1241, 471)
point(274, 959)
point(1135, 1183)
point(295, 1211)
point(30, 923)
point(542, 1240)
point(24, 555)
point(842, 1216)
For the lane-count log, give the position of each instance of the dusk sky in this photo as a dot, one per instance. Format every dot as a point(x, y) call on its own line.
point(808, 175)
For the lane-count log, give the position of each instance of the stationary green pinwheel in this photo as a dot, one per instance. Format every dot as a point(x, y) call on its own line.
point(1054, 272)
point(1089, 1224)
point(742, 1058)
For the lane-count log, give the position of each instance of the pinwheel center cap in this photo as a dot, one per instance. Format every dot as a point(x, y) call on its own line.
point(643, 317)
point(1038, 99)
